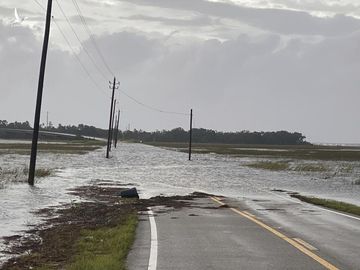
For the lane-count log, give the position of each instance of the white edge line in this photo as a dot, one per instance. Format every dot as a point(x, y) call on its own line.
point(338, 213)
point(317, 206)
point(154, 242)
point(303, 203)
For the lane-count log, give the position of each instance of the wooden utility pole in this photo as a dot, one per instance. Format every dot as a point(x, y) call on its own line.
point(117, 129)
point(39, 96)
point(111, 115)
point(112, 125)
point(190, 133)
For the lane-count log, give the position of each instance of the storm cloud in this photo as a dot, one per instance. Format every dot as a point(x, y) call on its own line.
point(238, 67)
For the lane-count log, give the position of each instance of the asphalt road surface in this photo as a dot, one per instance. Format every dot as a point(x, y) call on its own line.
point(263, 233)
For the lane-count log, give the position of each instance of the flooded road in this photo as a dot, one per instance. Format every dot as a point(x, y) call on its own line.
point(158, 171)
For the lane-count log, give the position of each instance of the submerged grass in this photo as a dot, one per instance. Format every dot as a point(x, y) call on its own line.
point(286, 166)
point(81, 147)
point(332, 204)
point(19, 173)
point(356, 182)
point(41, 172)
point(270, 165)
point(106, 248)
point(306, 152)
point(311, 168)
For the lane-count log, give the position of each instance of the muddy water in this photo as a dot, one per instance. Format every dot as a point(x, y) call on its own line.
point(157, 171)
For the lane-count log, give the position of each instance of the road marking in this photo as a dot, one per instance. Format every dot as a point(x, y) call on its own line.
point(298, 201)
point(251, 215)
point(292, 242)
point(305, 244)
point(219, 199)
point(337, 213)
point(154, 242)
point(314, 205)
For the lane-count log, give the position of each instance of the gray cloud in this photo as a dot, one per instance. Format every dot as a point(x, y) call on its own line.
point(274, 20)
point(77, 20)
point(249, 82)
point(196, 21)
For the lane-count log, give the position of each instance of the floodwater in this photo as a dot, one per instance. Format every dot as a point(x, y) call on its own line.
point(157, 171)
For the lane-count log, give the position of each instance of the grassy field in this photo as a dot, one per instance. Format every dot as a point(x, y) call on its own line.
point(71, 147)
point(105, 248)
point(306, 152)
point(332, 204)
point(269, 165)
point(290, 166)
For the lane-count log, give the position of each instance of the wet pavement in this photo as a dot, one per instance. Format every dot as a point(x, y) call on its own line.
point(205, 236)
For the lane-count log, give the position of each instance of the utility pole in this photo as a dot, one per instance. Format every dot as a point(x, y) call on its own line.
point(112, 125)
point(190, 133)
point(111, 114)
point(39, 96)
point(114, 130)
point(47, 120)
point(117, 129)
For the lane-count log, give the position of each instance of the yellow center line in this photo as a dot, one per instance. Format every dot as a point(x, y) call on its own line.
point(292, 242)
point(305, 244)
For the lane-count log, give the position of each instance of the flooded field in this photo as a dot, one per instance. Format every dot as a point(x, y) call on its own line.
point(159, 171)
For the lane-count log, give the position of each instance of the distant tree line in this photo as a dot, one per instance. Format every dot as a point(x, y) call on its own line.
point(80, 130)
point(15, 125)
point(200, 135)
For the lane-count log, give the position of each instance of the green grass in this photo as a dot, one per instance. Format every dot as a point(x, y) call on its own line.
point(332, 204)
point(347, 168)
point(106, 248)
point(285, 165)
point(311, 168)
point(20, 172)
point(270, 165)
point(81, 147)
point(305, 152)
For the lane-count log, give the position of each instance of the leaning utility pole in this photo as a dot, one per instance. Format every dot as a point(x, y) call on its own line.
point(117, 129)
point(111, 115)
point(112, 125)
point(39, 96)
point(190, 133)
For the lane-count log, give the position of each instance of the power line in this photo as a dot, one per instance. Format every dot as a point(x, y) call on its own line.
point(40, 5)
point(78, 59)
point(84, 68)
point(73, 52)
point(77, 37)
point(151, 107)
point(88, 30)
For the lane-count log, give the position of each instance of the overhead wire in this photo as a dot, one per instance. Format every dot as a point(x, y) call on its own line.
point(151, 107)
point(73, 51)
point(101, 56)
point(88, 30)
point(40, 5)
point(82, 46)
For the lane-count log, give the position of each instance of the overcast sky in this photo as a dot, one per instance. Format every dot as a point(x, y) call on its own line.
point(258, 65)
